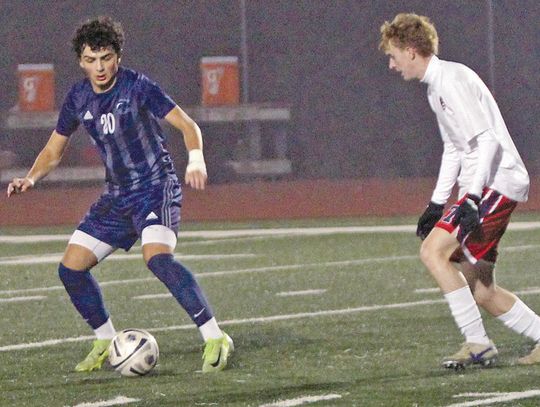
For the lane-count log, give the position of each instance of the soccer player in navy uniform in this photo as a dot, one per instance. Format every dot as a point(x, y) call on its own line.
point(120, 109)
point(460, 245)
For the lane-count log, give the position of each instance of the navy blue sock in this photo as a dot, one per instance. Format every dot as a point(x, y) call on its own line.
point(182, 285)
point(85, 294)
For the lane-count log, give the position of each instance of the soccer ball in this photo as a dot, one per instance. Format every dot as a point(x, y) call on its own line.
point(133, 352)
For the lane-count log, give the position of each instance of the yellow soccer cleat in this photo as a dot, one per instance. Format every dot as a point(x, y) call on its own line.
point(216, 353)
point(96, 357)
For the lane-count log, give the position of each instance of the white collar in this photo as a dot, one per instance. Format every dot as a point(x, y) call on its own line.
point(431, 70)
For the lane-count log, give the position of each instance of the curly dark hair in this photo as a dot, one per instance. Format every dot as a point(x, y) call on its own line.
point(98, 33)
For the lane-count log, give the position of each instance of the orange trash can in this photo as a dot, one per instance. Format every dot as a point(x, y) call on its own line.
point(220, 81)
point(36, 87)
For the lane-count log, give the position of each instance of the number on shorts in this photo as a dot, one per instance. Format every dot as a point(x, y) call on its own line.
point(450, 215)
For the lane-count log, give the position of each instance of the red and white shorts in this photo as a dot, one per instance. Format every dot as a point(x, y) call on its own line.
point(495, 210)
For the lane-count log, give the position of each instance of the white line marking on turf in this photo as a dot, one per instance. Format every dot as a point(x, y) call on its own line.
point(520, 248)
point(285, 267)
point(302, 400)
point(24, 239)
point(501, 398)
point(305, 231)
point(57, 257)
point(427, 290)
point(152, 296)
point(112, 402)
point(301, 292)
point(531, 290)
point(19, 299)
point(272, 318)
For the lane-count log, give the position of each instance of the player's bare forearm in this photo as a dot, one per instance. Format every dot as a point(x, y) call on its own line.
point(47, 160)
point(196, 175)
point(190, 130)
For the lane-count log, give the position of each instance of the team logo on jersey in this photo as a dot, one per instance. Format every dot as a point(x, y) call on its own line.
point(88, 115)
point(122, 105)
point(445, 107)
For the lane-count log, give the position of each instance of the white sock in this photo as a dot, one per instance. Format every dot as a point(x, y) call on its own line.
point(467, 315)
point(522, 320)
point(210, 330)
point(105, 331)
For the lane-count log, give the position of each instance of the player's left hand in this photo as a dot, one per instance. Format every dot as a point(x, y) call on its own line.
point(467, 213)
point(19, 185)
point(196, 175)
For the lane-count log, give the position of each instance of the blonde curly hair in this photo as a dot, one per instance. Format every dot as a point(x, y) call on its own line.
point(410, 30)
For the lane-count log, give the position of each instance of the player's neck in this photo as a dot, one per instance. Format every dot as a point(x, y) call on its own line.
point(423, 66)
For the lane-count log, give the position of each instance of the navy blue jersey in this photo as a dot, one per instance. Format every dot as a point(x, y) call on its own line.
point(123, 123)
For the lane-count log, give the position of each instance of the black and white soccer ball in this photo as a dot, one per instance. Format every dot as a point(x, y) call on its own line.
point(133, 352)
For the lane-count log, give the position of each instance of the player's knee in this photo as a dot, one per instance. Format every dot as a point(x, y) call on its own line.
point(68, 275)
point(169, 271)
point(433, 254)
point(159, 261)
point(427, 253)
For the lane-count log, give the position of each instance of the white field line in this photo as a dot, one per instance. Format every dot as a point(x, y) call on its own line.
point(301, 292)
point(217, 234)
point(57, 257)
point(302, 400)
point(476, 394)
point(26, 239)
point(152, 296)
point(427, 290)
point(21, 299)
point(305, 231)
point(253, 320)
point(112, 402)
point(285, 267)
point(530, 290)
point(522, 248)
point(502, 398)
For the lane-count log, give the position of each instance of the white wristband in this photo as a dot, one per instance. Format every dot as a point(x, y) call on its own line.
point(196, 161)
point(196, 155)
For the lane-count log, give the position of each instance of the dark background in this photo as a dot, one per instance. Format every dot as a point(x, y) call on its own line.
point(351, 116)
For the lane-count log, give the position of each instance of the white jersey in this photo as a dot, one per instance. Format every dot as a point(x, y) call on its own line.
point(466, 113)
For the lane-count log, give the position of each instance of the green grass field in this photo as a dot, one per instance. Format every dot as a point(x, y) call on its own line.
point(340, 317)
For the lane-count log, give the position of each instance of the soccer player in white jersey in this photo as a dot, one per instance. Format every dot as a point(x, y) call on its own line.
point(460, 244)
point(119, 109)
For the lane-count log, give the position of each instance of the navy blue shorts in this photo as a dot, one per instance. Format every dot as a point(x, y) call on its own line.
point(119, 220)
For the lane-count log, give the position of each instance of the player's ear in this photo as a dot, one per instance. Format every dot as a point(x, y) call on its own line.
point(81, 63)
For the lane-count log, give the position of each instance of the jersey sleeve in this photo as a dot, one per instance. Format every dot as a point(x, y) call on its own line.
point(448, 172)
point(154, 99)
point(67, 118)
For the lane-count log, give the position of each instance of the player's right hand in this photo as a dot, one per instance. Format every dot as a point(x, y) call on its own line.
point(467, 213)
point(19, 185)
point(429, 218)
